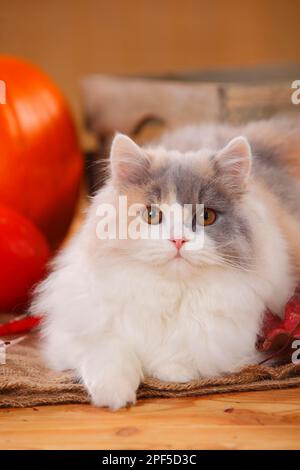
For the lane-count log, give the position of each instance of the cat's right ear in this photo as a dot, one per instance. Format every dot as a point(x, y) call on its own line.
point(129, 162)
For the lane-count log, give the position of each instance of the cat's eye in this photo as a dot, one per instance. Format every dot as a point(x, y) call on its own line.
point(209, 216)
point(205, 218)
point(152, 215)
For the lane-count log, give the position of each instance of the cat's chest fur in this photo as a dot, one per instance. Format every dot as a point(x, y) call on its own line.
point(208, 323)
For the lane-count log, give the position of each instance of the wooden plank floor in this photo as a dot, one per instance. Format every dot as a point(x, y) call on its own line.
point(256, 420)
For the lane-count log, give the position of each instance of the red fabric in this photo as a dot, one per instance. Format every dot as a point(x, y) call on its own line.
point(278, 335)
point(19, 326)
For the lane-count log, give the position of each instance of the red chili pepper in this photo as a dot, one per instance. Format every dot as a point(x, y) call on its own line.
point(19, 326)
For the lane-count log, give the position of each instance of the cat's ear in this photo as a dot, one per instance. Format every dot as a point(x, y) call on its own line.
point(234, 161)
point(129, 162)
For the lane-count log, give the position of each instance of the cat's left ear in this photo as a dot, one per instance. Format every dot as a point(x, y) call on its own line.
point(129, 162)
point(234, 161)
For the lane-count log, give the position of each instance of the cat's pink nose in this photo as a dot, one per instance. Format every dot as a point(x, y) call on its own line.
point(178, 242)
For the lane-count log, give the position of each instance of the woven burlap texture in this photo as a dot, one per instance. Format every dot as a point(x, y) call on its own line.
point(24, 381)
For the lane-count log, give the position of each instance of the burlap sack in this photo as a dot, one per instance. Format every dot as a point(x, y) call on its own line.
point(24, 381)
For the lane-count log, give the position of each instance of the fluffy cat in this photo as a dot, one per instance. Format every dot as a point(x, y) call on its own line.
point(116, 310)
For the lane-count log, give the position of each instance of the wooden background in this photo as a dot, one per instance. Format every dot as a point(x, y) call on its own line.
point(72, 38)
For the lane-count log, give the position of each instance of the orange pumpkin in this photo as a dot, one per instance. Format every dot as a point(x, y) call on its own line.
point(40, 160)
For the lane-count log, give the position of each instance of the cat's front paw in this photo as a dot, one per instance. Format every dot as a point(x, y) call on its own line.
point(115, 394)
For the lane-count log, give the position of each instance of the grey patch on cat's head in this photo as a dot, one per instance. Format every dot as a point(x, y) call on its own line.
point(153, 192)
